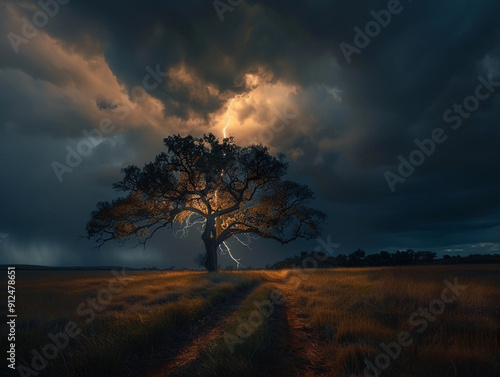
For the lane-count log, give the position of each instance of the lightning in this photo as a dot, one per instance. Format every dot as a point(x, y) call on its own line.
point(189, 223)
point(228, 116)
point(237, 260)
point(248, 242)
point(192, 221)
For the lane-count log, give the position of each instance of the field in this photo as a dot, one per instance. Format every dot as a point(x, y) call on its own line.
point(398, 321)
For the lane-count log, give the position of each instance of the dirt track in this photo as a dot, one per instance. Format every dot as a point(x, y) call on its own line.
point(182, 348)
point(298, 352)
point(300, 348)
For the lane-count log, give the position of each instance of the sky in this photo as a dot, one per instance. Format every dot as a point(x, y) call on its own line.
point(387, 109)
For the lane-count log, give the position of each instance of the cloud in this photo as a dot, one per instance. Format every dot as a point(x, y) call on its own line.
point(272, 72)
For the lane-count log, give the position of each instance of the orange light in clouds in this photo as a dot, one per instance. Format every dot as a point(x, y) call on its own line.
point(249, 114)
point(246, 115)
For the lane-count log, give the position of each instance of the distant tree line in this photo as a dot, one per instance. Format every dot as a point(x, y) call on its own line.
point(359, 258)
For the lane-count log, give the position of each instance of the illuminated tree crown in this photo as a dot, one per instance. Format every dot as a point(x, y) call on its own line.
point(229, 189)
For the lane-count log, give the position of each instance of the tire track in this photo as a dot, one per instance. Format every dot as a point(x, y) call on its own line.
point(204, 331)
point(300, 349)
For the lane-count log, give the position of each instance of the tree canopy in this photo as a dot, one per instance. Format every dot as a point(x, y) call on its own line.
point(229, 189)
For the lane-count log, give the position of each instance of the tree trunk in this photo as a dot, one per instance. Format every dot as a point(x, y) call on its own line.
point(209, 237)
point(211, 251)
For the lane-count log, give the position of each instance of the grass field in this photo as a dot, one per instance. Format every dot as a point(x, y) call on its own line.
point(398, 321)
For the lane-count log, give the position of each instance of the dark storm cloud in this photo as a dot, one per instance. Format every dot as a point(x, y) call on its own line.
point(352, 120)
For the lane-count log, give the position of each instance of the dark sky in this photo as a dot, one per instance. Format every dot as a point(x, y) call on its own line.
point(298, 76)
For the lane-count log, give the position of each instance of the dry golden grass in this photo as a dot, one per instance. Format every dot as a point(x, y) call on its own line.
point(354, 310)
point(233, 355)
point(131, 324)
point(349, 313)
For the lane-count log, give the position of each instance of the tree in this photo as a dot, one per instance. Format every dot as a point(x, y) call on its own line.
point(425, 256)
point(356, 258)
point(402, 257)
point(229, 189)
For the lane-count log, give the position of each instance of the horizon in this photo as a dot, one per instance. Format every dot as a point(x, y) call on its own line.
point(436, 258)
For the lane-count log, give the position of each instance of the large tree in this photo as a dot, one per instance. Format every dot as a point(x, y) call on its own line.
point(228, 189)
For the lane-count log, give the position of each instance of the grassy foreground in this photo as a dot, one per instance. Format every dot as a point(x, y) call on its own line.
point(397, 321)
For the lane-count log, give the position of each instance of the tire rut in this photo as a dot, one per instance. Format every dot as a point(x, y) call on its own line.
point(182, 351)
point(300, 350)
